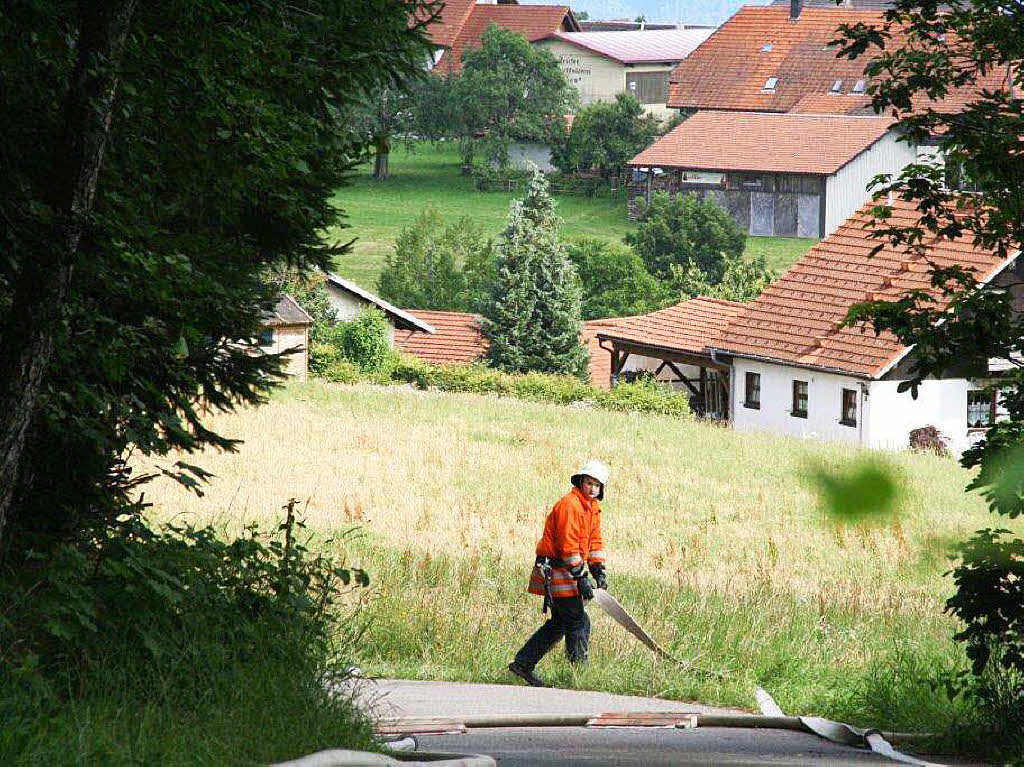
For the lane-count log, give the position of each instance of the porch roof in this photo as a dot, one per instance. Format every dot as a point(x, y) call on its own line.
point(689, 327)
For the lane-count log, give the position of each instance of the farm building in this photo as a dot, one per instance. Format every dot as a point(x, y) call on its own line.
point(458, 339)
point(286, 326)
point(789, 175)
point(601, 65)
point(348, 299)
point(785, 363)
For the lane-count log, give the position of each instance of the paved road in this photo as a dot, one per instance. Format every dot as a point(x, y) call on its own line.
point(564, 746)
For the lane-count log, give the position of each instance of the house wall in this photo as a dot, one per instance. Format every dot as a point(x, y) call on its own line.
point(286, 337)
point(348, 305)
point(598, 78)
point(824, 402)
point(940, 403)
point(847, 189)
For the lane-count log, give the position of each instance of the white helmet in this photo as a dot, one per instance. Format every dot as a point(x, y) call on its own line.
point(596, 469)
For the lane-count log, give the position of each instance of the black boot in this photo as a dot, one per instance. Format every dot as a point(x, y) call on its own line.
point(527, 675)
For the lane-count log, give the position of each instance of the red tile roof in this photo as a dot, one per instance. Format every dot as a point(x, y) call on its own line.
point(534, 21)
point(763, 141)
point(457, 338)
point(796, 320)
point(453, 14)
point(730, 69)
point(690, 326)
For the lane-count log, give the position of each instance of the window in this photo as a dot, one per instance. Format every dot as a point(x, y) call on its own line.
point(266, 337)
point(981, 408)
point(848, 413)
point(648, 87)
point(837, 86)
point(958, 175)
point(799, 399)
point(752, 398)
point(859, 86)
point(766, 48)
point(770, 83)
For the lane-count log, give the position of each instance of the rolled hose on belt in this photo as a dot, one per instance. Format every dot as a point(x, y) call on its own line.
point(837, 732)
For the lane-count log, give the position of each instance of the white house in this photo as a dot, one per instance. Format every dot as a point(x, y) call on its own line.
point(789, 175)
point(600, 65)
point(348, 299)
point(785, 363)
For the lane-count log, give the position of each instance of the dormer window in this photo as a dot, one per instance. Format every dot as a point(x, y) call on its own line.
point(770, 83)
point(766, 48)
point(858, 87)
point(837, 86)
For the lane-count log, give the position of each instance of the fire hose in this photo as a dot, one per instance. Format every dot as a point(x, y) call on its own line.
point(771, 714)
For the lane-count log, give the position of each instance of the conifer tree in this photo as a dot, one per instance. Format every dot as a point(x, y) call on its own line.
point(533, 318)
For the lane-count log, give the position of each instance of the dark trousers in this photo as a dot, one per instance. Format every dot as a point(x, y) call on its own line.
point(568, 619)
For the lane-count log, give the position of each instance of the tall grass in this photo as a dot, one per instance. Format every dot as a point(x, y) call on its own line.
point(716, 543)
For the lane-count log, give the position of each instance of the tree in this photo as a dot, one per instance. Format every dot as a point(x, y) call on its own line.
point(615, 281)
point(743, 279)
point(384, 112)
point(684, 229)
point(606, 136)
point(533, 317)
point(508, 90)
point(134, 272)
point(438, 266)
point(953, 72)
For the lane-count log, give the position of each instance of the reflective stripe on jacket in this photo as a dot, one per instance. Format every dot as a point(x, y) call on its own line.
point(572, 534)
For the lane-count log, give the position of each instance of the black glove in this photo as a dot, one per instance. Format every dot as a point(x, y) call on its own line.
point(597, 570)
point(586, 588)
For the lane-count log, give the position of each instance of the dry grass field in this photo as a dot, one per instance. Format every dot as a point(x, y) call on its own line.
point(716, 541)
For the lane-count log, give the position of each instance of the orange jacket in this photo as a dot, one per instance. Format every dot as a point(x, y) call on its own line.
point(572, 534)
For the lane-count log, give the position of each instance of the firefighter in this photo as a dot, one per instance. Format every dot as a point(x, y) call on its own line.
point(571, 543)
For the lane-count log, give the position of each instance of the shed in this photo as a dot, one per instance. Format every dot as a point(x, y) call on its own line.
point(348, 299)
point(788, 175)
point(286, 326)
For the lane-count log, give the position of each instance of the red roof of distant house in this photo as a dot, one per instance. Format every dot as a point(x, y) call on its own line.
point(534, 21)
point(456, 338)
point(453, 14)
point(690, 326)
point(764, 141)
point(730, 70)
point(797, 319)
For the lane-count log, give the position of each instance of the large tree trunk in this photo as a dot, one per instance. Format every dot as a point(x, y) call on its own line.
point(380, 166)
point(43, 278)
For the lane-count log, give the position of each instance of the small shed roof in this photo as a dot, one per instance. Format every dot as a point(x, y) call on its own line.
point(763, 141)
point(400, 317)
point(457, 338)
point(689, 326)
point(639, 46)
point(286, 312)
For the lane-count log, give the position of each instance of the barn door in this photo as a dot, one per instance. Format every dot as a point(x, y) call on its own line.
point(762, 214)
point(808, 219)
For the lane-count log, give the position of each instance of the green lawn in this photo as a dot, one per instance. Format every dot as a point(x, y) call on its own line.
point(717, 542)
point(430, 175)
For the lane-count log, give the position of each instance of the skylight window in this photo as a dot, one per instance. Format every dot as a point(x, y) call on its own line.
point(837, 86)
point(766, 48)
point(858, 87)
point(770, 83)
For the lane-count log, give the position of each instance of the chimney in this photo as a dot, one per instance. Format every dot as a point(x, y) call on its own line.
point(795, 6)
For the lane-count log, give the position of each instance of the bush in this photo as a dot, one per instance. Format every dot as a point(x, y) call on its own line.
point(683, 229)
point(214, 639)
point(322, 355)
point(645, 395)
point(615, 281)
point(928, 439)
point(605, 136)
point(343, 371)
point(365, 340)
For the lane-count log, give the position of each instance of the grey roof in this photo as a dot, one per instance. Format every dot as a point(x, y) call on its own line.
point(286, 312)
point(402, 319)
